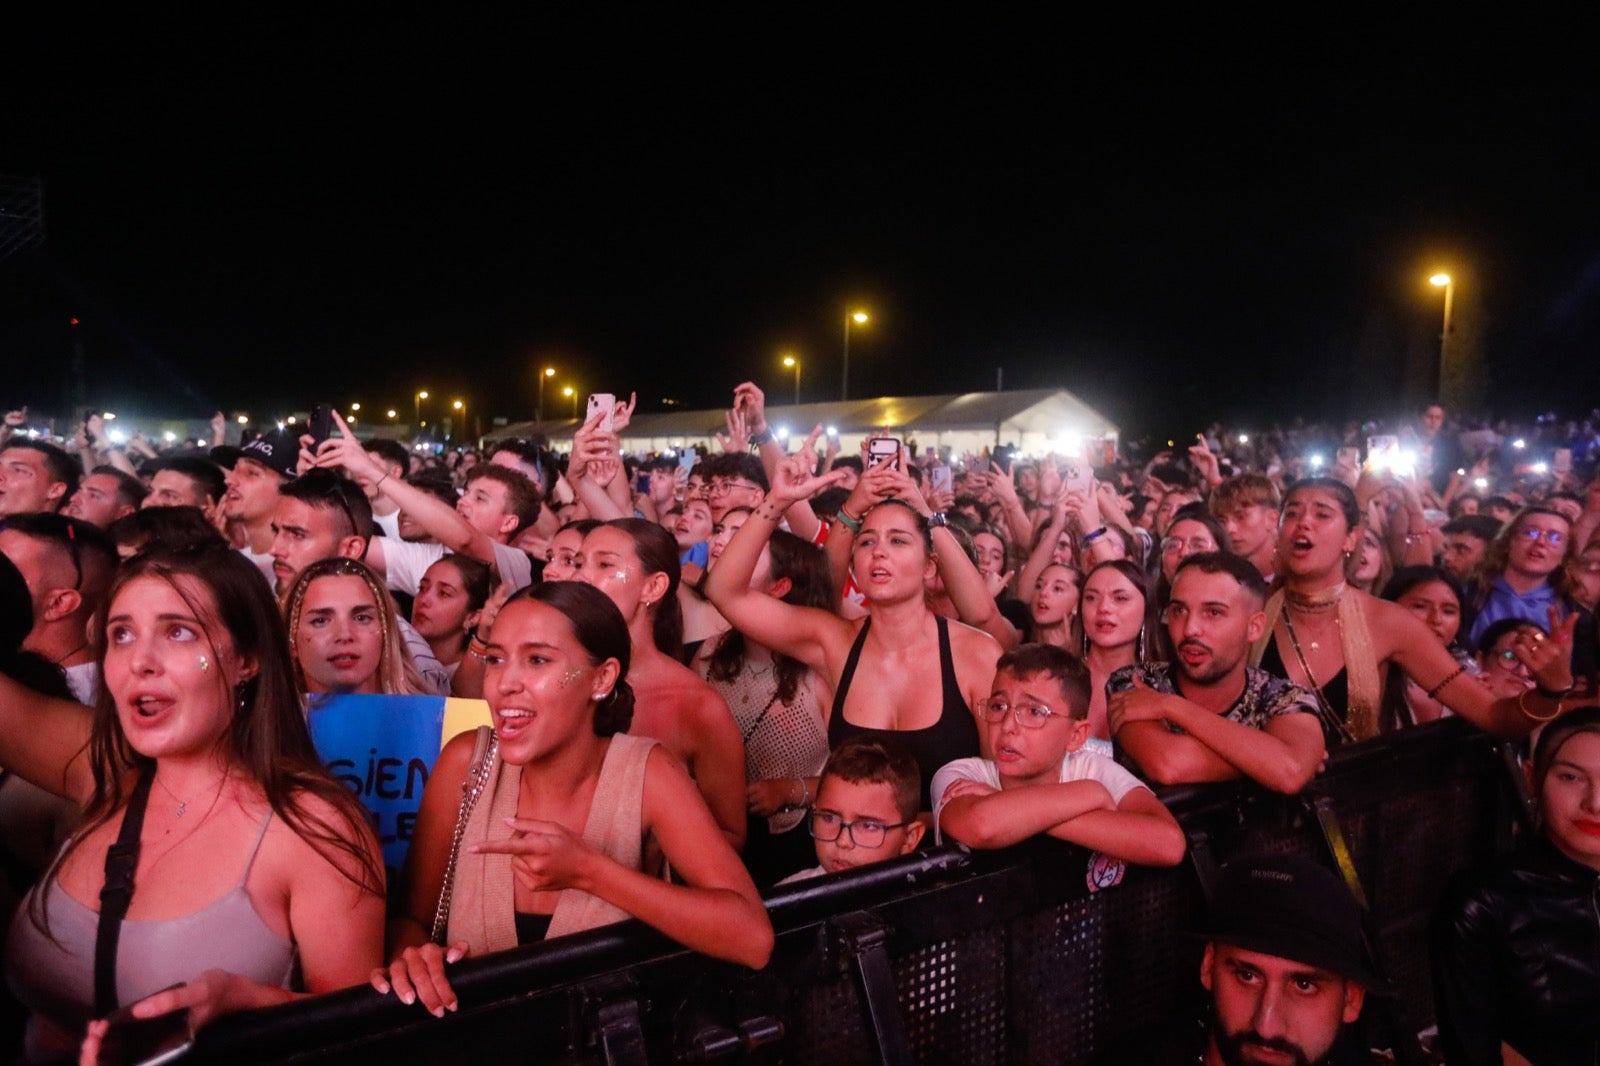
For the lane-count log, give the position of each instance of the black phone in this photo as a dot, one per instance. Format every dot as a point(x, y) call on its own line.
point(320, 424)
point(131, 1041)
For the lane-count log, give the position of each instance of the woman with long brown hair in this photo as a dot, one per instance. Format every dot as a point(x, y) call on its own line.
point(253, 865)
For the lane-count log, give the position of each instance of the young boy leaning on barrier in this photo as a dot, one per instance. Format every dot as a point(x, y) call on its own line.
point(866, 809)
point(1041, 780)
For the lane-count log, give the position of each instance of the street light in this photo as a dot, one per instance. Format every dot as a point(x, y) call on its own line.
point(790, 360)
point(538, 408)
point(393, 414)
point(860, 318)
point(420, 396)
point(355, 407)
point(1445, 282)
point(572, 394)
point(461, 408)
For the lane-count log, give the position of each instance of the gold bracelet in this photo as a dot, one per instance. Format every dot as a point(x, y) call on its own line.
point(1523, 707)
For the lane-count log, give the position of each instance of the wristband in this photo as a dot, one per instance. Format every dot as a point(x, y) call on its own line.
point(1554, 694)
point(852, 524)
point(760, 437)
point(1090, 538)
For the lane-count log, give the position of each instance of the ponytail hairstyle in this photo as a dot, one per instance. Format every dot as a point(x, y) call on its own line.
point(658, 554)
point(602, 632)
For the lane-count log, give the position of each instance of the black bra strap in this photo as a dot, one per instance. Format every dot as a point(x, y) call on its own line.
point(122, 858)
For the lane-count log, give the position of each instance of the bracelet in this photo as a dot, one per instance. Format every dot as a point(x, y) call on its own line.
point(760, 437)
point(1553, 694)
point(1089, 538)
point(1523, 707)
point(856, 518)
point(477, 648)
point(852, 524)
point(1433, 693)
point(378, 484)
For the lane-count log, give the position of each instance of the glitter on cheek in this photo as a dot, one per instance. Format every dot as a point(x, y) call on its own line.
point(571, 675)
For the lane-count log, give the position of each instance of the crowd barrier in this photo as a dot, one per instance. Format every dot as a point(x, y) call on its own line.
point(1028, 955)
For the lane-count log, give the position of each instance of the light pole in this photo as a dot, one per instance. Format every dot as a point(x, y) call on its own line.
point(1445, 282)
point(860, 318)
point(460, 408)
point(538, 410)
point(790, 360)
point(417, 410)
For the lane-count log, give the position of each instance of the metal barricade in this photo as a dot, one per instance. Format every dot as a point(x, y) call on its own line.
point(1026, 955)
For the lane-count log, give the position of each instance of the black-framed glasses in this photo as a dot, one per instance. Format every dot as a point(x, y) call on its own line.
point(1028, 715)
point(864, 832)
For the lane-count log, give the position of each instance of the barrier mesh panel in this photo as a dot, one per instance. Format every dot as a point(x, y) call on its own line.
point(952, 995)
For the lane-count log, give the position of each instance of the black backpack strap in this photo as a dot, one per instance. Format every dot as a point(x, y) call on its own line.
point(122, 858)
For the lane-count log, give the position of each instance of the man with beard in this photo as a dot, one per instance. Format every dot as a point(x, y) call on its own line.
point(1211, 716)
point(1284, 965)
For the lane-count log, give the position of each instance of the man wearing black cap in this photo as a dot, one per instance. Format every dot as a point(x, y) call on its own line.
point(1285, 964)
point(262, 467)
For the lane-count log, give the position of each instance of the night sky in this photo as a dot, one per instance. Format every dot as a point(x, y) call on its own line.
point(262, 211)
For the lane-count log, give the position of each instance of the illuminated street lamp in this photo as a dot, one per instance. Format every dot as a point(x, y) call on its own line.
point(790, 360)
point(1445, 282)
point(460, 408)
point(572, 394)
point(355, 407)
point(538, 409)
point(859, 318)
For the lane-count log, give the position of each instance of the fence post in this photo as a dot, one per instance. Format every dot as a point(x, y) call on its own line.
point(863, 939)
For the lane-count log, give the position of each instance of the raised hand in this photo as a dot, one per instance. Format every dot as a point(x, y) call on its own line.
point(737, 438)
point(749, 400)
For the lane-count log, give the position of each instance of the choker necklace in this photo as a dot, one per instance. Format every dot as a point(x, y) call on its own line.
point(1314, 602)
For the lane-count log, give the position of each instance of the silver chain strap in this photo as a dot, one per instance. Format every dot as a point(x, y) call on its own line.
point(471, 790)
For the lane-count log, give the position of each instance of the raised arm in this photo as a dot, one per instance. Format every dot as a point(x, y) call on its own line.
point(751, 402)
point(1430, 665)
point(800, 632)
point(45, 741)
point(441, 521)
point(594, 469)
point(1039, 556)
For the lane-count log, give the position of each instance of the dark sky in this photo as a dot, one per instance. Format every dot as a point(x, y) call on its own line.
point(269, 210)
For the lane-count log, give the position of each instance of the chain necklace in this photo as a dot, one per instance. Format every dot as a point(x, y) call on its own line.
point(1330, 718)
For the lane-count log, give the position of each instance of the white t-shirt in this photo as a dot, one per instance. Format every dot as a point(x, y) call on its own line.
point(404, 563)
point(1080, 765)
point(263, 563)
point(84, 681)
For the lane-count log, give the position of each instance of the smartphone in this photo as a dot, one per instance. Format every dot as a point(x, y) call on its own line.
point(942, 480)
point(134, 1041)
point(980, 465)
point(320, 424)
point(686, 460)
point(607, 402)
point(641, 484)
point(1383, 452)
point(883, 450)
point(1077, 476)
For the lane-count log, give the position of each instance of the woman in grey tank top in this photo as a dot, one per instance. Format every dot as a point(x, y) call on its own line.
point(250, 855)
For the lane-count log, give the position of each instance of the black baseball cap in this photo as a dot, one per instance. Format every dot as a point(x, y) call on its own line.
point(1290, 907)
point(278, 450)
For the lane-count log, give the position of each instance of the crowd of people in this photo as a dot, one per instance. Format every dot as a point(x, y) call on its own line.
point(706, 678)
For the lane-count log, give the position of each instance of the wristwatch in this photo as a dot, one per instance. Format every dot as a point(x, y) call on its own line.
point(938, 519)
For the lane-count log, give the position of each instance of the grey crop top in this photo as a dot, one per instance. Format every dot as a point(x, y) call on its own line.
point(53, 975)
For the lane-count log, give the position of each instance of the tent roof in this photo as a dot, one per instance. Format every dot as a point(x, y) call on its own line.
point(1024, 411)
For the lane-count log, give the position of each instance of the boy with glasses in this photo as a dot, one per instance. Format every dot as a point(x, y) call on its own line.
point(1042, 780)
point(866, 808)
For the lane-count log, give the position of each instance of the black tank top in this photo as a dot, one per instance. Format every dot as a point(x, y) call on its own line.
point(954, 736)
point(1336, 690)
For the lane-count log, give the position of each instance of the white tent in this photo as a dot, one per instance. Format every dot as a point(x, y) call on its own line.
point(1034, 421)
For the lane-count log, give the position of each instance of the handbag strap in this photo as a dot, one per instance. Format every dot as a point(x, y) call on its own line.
point(122, 858)
point(483, 755)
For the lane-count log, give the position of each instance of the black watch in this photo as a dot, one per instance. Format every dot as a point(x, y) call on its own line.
point(938, 520)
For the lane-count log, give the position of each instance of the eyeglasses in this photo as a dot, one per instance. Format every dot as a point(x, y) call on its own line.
point(1194, 544)
point(826, 826)
point(1028, 715)
point(1552, 537)
point(720, 488)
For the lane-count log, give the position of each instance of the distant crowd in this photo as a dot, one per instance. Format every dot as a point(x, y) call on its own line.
point(705, 675)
